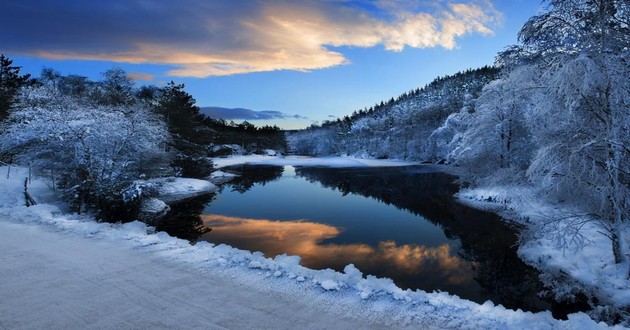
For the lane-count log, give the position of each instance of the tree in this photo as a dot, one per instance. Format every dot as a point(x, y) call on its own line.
point(581, 116)
point(497, 137)
point(116, 88)
point(10, 84)
point(93, 152)
point(189, 130)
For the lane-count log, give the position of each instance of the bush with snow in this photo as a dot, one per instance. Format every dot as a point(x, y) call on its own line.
point(90, 152)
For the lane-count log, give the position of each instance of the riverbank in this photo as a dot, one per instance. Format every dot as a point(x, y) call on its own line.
point(64, 270)
point(571, 250)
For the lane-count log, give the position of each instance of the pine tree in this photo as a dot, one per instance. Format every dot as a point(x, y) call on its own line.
point(10, 84)
point(188, 128)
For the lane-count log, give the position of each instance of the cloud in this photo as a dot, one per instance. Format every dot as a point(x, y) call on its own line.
point(307, 239)
point(214, 38)
point(246, 114)
point(141, 76)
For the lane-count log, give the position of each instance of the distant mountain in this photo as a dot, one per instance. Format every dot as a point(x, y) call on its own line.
point(245, 114)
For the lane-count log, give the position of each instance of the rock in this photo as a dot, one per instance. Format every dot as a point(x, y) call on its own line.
point(152, 210)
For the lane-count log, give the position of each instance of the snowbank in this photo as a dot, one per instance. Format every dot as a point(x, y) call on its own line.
point(583, 259)
point(218, 177)
point(172, 189)
point(349, 293)
point(308, 161)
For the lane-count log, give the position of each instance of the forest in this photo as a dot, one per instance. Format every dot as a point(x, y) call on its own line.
point(92, 139)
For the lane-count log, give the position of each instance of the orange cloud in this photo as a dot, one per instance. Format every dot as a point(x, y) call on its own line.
point(140, 76)
point(305, 239)
point(218, 38)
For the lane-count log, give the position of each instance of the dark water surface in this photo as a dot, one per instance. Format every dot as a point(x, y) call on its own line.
point(400, 222)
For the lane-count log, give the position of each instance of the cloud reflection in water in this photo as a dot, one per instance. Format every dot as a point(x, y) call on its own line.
point(305, 239)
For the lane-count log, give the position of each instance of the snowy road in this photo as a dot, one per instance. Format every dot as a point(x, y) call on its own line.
point(105, 285)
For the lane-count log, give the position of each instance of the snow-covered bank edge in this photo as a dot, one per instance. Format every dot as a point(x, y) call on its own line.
point(347, 293)
point(570, 261)
point(156, 195)
point(307, 161)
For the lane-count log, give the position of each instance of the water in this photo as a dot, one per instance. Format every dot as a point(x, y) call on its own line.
point(400, 223)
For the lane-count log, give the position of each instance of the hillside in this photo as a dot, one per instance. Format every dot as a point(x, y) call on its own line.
point(399, 128)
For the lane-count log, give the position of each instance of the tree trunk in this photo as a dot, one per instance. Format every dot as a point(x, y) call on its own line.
point(616, 247)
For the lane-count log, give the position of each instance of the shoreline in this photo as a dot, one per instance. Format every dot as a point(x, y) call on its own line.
point(365, 299)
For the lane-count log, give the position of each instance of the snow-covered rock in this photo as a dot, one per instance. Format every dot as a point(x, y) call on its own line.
point(152, 210)
point(173, 190)
point(218, 177)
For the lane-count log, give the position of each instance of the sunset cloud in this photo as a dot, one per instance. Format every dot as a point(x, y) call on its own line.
point(215, 38)
point(306, 239)
point(140, 76)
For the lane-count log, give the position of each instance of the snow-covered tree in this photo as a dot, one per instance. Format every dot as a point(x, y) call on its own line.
point(399, 128)
point(93, 152)
point(580, 113)
point(582, 124)
point(496, 137)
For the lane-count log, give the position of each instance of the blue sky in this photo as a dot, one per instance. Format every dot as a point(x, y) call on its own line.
point(311, 60)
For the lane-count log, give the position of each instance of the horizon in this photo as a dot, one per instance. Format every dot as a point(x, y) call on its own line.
point(289, 64)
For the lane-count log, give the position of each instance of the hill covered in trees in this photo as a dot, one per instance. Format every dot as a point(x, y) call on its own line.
point(399, 128)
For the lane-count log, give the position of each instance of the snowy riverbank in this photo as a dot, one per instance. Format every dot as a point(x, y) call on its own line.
point(307, 161)
point(571, 261)
point(238, 279)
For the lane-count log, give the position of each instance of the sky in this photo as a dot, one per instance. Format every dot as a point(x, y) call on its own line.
point(289, 63)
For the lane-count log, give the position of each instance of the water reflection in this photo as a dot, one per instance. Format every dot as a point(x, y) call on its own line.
point(426, 240)
point(251, 175)
point(487, 242)
point(436, 266)
point(184, 219)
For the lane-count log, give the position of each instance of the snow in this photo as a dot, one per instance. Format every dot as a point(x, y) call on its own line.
point(174, 189)
point(587, 257)
point(221, 174)
point(153, 205)
point(218, 177)
point(308, 161)
point(152, 210)
point(67, 271)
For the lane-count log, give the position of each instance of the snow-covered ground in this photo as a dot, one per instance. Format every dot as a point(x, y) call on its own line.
point(584, 258)
point(62, 270)
point(307, 161)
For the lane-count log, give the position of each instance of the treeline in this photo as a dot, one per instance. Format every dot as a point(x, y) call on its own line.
point(251, 138)
point(94, 138)
point(399, 128)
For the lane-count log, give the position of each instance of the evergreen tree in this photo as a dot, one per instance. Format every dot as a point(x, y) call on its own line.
point(10, 84)
point(189, 130)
